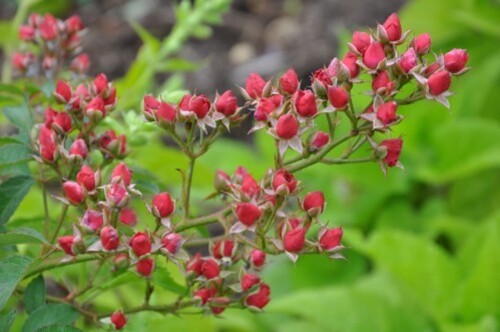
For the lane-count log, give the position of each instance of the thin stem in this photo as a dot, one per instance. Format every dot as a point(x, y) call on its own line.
point(205, 220)
point(59, 224)
point(169, 308)
point(57, 263)
point(187, 187)
point(347, 161)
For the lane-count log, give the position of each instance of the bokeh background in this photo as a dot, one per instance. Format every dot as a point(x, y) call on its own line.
point(424, 244)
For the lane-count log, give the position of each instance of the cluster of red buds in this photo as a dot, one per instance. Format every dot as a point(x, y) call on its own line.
point(267, 216)
point(57, 42)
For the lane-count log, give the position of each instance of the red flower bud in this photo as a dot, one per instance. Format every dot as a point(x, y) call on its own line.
point(289, 82)
point(226, 103)
point(386, 112)
point(199, 105)
point(431, 69)
point(171, 242)
point(73, 24)
point(118, 319)
point(439, 82)
point(330, 238)
point(393, 147)
point(257, 257)
point(287, 126)
point(123, 173)
point(248, 281)
point(109, 238)
point(284, 181)
point(393, 27)
point(382, 83)
point(48, 27)
point(221, 180)
point(210, 268)
point(101, 84)
point(145, 267)
point(163, 205)
point(219, 304)
point(79, 148)
point(264, 108)
point(47, 144)
point(294, 239)
point(128, 217)
point(373, 55)
point(95, 108)
point(255, 85)
point(248, 213)
point(66, 244)
point(455, 60)
point(421, 43)
point(20, 61)
point(184, 102)
point(319, 139)
point(195, 264)
point(305, 103)
point(140, 244)
point(205, 294)
point(408, 60)
point(73, 192)
point(249, 186)
point(50, 115)
point(350, 61)
point(62, 92)
point(361, 40)
point(110, 100)
point(322, 76)
point(166, 113)
point(314, 203)
point(86, 178)
point(259, 299)
point(93, 220)
point(121, 261)
point(338, 97)
point(26, 33)
point(149, 106)
point(62, 123)
point(117, 195)
point(224, 248)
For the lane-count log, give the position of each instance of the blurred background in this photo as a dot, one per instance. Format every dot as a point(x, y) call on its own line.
point(424, 243)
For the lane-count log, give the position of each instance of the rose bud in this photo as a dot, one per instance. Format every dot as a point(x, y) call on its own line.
point(95, 108)
point(81, 63)
point(199, 105)
point(74, 192)
point(123, 173)
point(219, 304)
point(294, 239)
point(19, 61)
point(439, 82)
point(255, 86)
point(373, 55)
point(117, 195)
point(248, 213)
point(393, 147)
point(330, 238)
point(289, 82)
point(163, 205)
point(66, 244)
point(110, 100)
point(128, 217)
point(48, 148)
point(50, 115)
point(79, 148)
point(48, 27)
point(210, 268)
point(171, 242)
point(166, 113)
point(421, 43)
point(260, 298)
point(287, 126)
point(205, 294)
point(140, 244)
point(257, 257)
point(322, 77)
point(226, 103)
point(26, 33)
point(393, 27)
point(361, 40)
point(283, 181)
point(264, 108)
point(101, 84)
point(223, 249)
point(221, 181)
point(62, 123)
point(455, 60)
point(109, 238)
point(121, 261)
point(319, 139)
point(149, 107)
point(350, 61)
point(145, 267)
point(92, 220)
point(62, 92)
point(382, 83)
point(386, 112)
point(305, 103)
point(195, 264)
point(314, 203)
point(184, 102)
point(73, 24)
point(86, 178)
point(118, 319)
point(338, 97)
point(408, 60)
point(248, 281)
point(249, 186)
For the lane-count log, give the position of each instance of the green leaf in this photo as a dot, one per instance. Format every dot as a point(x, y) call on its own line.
point(21, 235)
point(9, 140)
point(12, 193)
point(50, 314)
point(7, 320)
point(162, 278)
point(177, 64)
point(34, 295)
point(20, 116)
point(59, 328)
point(14, 153)
point(13, 268)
